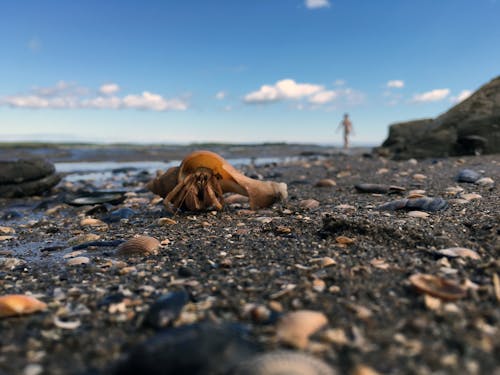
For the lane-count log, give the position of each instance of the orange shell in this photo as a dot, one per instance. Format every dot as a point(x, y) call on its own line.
point(437, 286)
point(19, 304)
point(139, 245)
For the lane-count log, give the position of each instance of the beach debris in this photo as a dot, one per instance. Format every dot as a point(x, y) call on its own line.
point(166, 309)
point(437, 286)
point(419, 177)
point(468, 175)
point(140, 245)
point(294, 328)
point(19, 304)
point(421, 204)
point(284, 362)
point(203, 177)
point(378, 188)
point(418, 214)
point(485, 181)
point(166, 221)
point(7, 230)
point(470, 196)
point(91, 222)
point(218, 349)
point(461, 252)
point(344, 240)
point(325, 182)
point(67, 324)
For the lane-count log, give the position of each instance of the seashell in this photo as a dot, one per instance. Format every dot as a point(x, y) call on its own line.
point(70, 325)
point(309, 204)
point(6, 238)
point(92, 222)
point(419, 177)
point(140, 245)
point(378, 188)
point(318, 285)
point(78, 261)
point(462, 252)
point(166, 221)
point(19, 304)
point(485, 181)
point(468, 175)
point(166, 309)
point(326, 182)
point(470, 196)
point(7, 230)
point(97, 197)
point(202, 179)
point(419, 214)
point(283, 362)
point(344, 240)
point(437, 286)
point(415, 204)
point(453, 190)
point(295, 327)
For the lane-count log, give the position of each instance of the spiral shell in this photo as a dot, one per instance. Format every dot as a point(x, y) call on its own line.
point(140, 245)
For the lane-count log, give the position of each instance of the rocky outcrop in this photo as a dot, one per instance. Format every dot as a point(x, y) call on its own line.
point(22, 177)
point(471, 127)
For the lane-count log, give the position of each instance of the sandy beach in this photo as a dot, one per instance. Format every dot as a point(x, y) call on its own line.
point(328, 249)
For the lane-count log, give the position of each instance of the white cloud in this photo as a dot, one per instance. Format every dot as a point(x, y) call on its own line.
point(464, 94)
point(281, 90)
point(67, 95)
point(314, 4)
point(323, 97)
point(431, 96)
point(395, 84)
point(153, 102)
point(109, 88)
point(220, 95)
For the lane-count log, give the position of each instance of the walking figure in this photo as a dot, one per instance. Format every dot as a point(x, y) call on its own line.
point(346, 125)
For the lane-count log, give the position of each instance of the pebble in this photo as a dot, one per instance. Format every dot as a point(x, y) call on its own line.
point(424, 204)
point(6, 238)
point(468, 175)
point(91, 222)
point(284, 363)
point(378, 188)
point(166, 309)
point(7, 230)
point(485, 181)
point(419, 177)
point(326, 182)
point(294, 328)
point(33, 369)
point(11, 263)
point(309, 204)
point(470, 196)
point(165, 221)
point(82, 238)
point(77, 261)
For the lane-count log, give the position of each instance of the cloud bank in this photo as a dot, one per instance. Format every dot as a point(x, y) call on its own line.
point(69, 95)
point(464, 94)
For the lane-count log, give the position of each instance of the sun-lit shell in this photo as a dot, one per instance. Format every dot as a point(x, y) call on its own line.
point(19, 304)
point(284, 362)
point(437, 286)
point(295, 327)
point(462, 252)
point(141, 245)
point(202, 179)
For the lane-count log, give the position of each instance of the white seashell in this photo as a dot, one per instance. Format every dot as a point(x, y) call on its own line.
point(140, 245)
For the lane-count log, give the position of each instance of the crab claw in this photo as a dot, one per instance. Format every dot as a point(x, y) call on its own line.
point(175, 182)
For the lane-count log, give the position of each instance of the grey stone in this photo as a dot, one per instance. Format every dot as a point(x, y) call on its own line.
point(471, 127)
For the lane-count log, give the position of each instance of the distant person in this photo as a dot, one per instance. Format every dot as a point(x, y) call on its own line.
point(346, 125)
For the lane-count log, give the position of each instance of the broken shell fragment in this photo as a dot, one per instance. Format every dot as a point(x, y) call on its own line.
point(284, 362)
point(295, 327)
point(437, 286)
point(141, 245)
point(19, 304)
point(203, 177)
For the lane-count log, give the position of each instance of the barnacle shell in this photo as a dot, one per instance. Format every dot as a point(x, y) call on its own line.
point(295, 327)
point(260, 193)
point(19, 304)
point(437, 286)
point(139, 245)
point(284, 362)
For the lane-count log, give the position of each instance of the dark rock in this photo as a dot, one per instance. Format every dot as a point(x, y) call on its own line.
point(22, 170)
point(378, 188)
point(471, 127)
point(117, 215)
point(423, 204)
point(190, 349)
point(468, 175)
point(29, 188)
point(166, 309)
point(96, 197)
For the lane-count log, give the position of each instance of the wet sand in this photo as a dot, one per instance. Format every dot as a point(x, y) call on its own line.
point(232, 260)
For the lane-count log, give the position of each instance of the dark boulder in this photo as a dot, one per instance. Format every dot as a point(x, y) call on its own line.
point(471, 127)
point(19, 178)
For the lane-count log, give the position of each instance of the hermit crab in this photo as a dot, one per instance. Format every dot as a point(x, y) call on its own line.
point(203, 177)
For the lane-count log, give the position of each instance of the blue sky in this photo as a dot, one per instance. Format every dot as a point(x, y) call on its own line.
point(235, 70)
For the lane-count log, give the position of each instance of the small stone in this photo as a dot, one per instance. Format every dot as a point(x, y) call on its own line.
point(19, 304)
point(343, 240)
point(78, 240)
point(91, 222)
point(326, 182)
point(7, 230)
point(419, 177)
point(437, 286)
point(309, 204)
point(470, 196)
point(485, 181)
point(6, 238)
point(165, 221)
point(11, 263)
point(454, 252)
point(468, 175)
point(419, 214)
point(33, 369)
point(318, 285)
